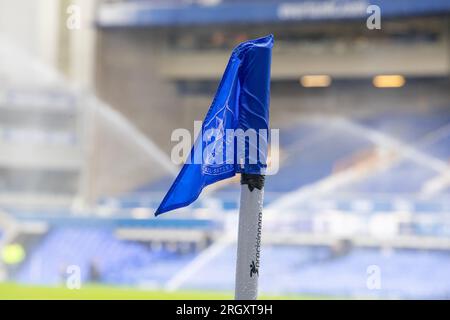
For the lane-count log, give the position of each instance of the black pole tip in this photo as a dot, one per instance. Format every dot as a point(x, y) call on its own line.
point(253, 181)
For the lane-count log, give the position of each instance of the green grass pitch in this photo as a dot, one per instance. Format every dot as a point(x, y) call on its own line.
point(13, 291)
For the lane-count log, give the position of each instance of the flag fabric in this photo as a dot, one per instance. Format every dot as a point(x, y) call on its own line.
point(241, 103)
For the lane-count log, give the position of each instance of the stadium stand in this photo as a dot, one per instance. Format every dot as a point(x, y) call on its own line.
point(104, 258)
point(393, 180)
point(302, 156)
point(409, 126)
point(405, 273)
point(437, 143)
point(101, 257)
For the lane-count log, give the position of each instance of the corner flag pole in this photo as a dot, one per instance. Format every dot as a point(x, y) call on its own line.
point(249, 236)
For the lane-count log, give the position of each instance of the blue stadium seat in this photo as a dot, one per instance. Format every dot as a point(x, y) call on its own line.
point(405, 177)
point(409, 126)
point(439, 148)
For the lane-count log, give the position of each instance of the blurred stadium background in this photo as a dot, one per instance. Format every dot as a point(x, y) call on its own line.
point(87, 112)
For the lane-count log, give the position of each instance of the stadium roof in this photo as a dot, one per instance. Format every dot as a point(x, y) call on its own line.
point(148, 13)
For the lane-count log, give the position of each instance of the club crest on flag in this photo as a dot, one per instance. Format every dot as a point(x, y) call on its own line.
point(216, 144)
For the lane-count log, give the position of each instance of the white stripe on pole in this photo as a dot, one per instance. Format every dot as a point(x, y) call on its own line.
point(249, 243)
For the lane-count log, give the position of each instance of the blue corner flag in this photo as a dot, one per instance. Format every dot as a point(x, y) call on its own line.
point(238, 114)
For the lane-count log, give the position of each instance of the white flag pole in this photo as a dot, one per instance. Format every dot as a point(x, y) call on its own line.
point(249, 236)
